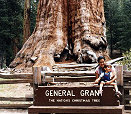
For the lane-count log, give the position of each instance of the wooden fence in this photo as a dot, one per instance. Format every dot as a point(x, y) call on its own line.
point(127, 89)
point(15, 102)
point(71, 76)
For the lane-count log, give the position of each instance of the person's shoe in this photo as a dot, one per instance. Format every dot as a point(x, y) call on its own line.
point(118, 93)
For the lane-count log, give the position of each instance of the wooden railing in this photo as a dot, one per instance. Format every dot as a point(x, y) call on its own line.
point(11, 101)
point(124, 81)
point(127, 89)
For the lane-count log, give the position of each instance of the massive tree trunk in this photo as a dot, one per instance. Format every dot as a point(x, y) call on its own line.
point(65, 29)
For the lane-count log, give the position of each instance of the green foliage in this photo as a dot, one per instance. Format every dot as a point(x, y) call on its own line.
point(11, 28)
point(118, 19)
point(127, 60)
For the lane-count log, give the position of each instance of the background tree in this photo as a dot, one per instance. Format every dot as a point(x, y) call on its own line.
point(26, 29)
point(30, 10)
point(10, 29)
point(118, 18)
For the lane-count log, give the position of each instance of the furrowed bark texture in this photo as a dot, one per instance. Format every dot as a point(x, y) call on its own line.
point(63, 28)
point(87, 23)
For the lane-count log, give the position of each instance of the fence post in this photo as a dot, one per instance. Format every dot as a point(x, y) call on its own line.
point(37, 75)
point(119, 73)
point(36, 79)
point(126, 88)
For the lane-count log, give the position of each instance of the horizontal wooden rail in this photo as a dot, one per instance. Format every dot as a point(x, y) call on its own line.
point(127, 84)
point(4, 71)
point(115, 60)
point(16, 81)
point(127, 73)
point(15, 106)
point(71, 79)
point(127, 99)
point(127, 112)
point(75, 66)
point(16, 76)
point(72, 73)
point(128, 106)
point(128, 96)
point(15, 99)
point(127, 87)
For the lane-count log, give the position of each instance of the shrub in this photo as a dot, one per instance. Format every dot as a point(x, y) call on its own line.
point(127, 60)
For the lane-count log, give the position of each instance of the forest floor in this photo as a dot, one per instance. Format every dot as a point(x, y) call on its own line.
point(13, 111)
point(15, 90)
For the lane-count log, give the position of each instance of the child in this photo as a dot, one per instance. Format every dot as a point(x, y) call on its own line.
point(106, 79)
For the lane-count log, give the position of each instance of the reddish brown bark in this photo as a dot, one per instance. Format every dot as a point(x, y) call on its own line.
point(65, 27)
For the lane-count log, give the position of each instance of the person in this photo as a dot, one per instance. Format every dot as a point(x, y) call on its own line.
point(100, 68)
point(106, 77)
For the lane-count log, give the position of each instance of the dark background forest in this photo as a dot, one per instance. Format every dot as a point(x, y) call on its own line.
point(118, 24)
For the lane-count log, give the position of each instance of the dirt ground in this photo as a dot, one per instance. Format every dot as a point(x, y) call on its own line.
point(13, 111)
point(15, 90)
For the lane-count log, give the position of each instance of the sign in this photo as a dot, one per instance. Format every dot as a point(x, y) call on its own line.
point(74, 96)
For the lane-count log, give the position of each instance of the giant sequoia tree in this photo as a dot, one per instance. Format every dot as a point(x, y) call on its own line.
point(65, 29)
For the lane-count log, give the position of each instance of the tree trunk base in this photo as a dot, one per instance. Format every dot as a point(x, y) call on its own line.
point(65, 30)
